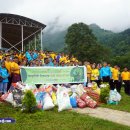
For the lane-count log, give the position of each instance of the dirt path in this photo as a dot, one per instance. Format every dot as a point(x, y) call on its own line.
point(107, 114)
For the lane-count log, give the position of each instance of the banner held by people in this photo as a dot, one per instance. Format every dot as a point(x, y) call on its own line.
point(53, 75)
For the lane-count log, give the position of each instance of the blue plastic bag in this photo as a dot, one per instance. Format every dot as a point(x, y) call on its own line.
point(73, 102)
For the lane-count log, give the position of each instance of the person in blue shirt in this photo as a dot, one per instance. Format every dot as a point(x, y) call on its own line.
point(105, 73)
point(28, 56)
point(48, 62)
point(35, 55)
point(4, 74)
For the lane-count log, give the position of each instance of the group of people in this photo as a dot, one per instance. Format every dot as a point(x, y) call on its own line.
point(112, 75)
point(12, 61)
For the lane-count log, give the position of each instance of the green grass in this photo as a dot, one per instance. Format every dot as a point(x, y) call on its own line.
point(124, 104)
point(53, 120)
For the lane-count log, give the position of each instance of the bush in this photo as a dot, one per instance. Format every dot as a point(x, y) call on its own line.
point(29, 102)
point(104, 94)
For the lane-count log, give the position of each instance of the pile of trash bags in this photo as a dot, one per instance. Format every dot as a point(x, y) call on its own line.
point(65, 96)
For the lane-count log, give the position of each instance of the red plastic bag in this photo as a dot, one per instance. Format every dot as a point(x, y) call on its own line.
point(89, 101)
point(80, 103)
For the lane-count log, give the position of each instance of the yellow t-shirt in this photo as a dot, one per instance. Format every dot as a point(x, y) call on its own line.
point(125, 75)
point(94, 74)
point(20, 57)
point(1, 57)
point(53, 56)
point(115, 74)
point(16, 66)
point(43, 55)
point(8, 66)
point(89, 71)
point(63, 59)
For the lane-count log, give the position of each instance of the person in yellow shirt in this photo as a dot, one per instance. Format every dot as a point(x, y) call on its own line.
point(1, 55)
point(115, 77)
point(94, 74)
point(125, 78)
point(89, 71)
point(15, 70)
point(53, 55)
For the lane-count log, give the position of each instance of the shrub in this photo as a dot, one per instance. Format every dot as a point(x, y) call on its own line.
point(29, 102)
point(104, 94)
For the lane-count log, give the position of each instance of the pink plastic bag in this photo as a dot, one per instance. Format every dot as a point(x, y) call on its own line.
point(80, 103)
point(89, 101)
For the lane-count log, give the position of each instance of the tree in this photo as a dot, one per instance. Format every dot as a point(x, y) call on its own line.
point(82, 43)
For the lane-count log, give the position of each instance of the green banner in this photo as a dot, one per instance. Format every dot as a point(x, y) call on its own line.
point(53, 75)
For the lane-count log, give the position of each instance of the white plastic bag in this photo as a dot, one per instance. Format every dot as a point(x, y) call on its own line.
point(63, 99)
point(114, 95)
point(47, 102)
point(73, 88)
point(19, 85)
point(118, 96)
point(10, 98)
point(80, 89)
point(29, 87)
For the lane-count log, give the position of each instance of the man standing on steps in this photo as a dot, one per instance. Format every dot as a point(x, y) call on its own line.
point(105, 74)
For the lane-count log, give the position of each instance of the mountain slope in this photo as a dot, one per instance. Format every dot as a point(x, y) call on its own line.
point(118, 42)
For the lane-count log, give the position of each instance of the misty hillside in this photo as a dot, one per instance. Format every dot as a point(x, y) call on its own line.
point(118, 42)
point(54, 41)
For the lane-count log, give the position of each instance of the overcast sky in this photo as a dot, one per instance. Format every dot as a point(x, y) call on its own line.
point(109, 14)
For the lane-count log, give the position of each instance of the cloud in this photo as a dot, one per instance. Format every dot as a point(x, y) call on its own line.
point(109, 14)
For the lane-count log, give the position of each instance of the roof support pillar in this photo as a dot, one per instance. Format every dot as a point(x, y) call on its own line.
point(35, 42)
point(22, 36)
point(29, 45)
point(0, 35)
point(41, 40)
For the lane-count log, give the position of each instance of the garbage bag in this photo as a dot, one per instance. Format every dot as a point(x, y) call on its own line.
point(89, 101)
point(39, 99)
point(17, 97)
point(54, 98)
point(80, 89)
point(63, 99)
point(10, 98)
point(80, 103)
point(4, 96)
point(47, 102)
point(73, 88)
point(29, 87)
point(114, 95)
point(73, 102)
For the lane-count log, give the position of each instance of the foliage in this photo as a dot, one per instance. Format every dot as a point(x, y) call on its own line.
point(29, 101)
point(119, 43)
point(104, 94)
point(82, 43)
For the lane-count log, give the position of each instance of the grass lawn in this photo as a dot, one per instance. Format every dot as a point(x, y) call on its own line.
point(53, 120)
point(124, 104)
